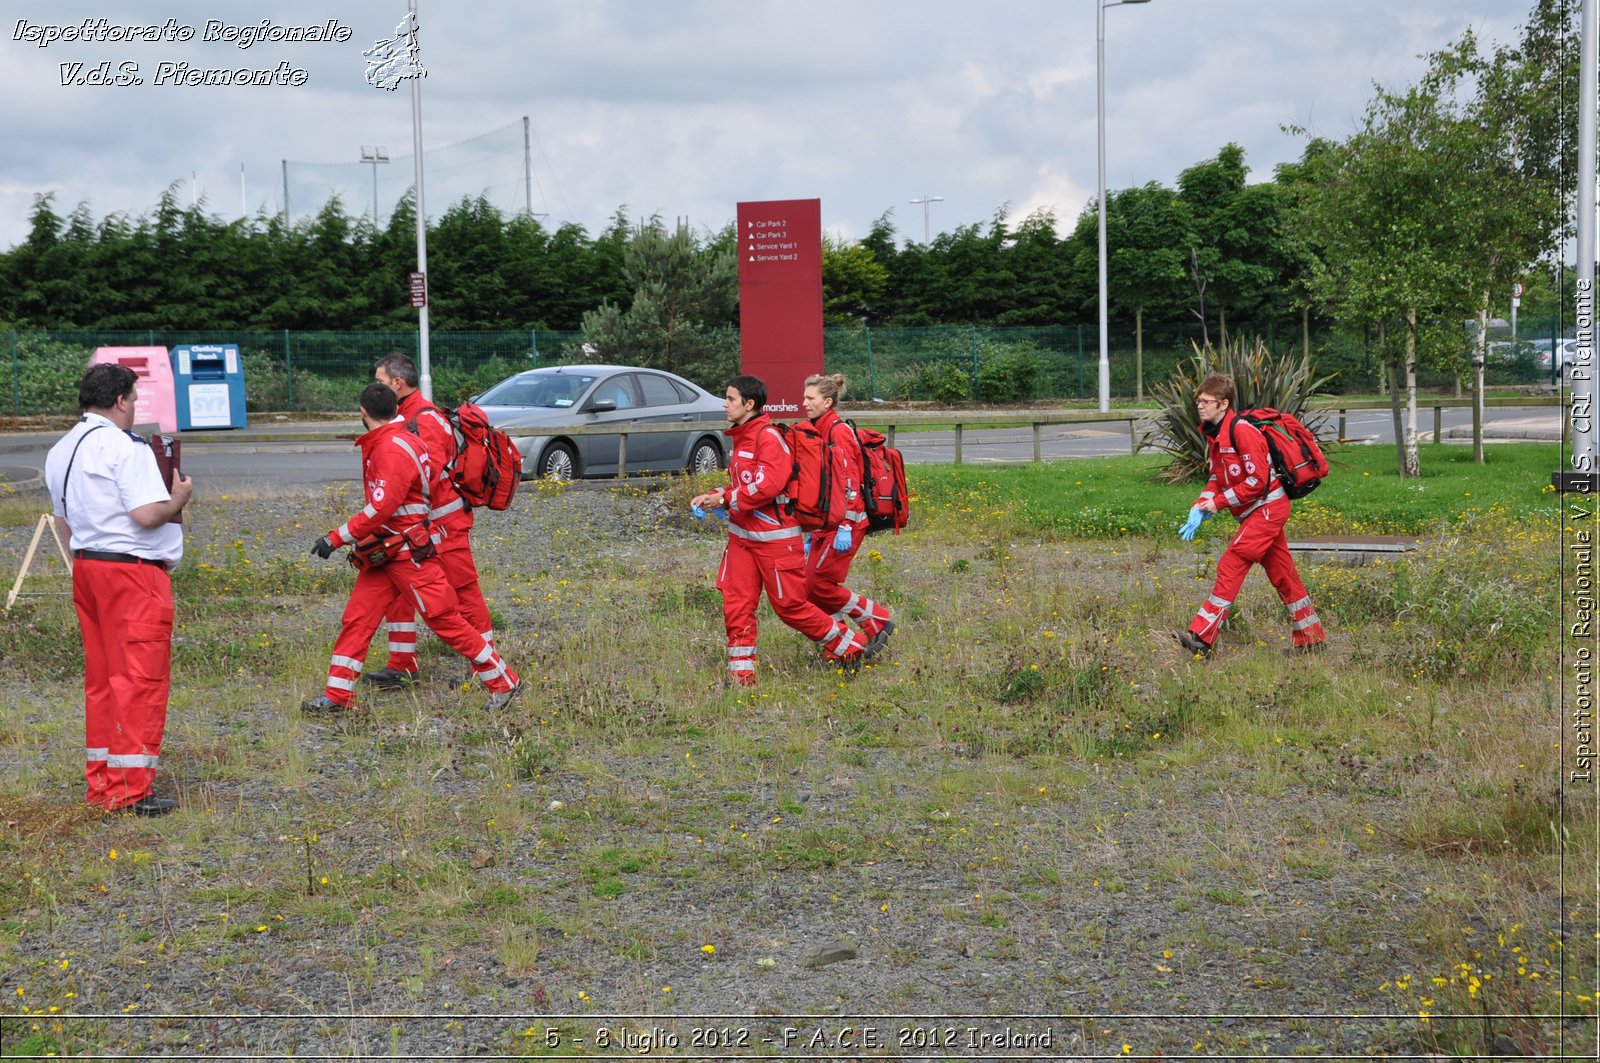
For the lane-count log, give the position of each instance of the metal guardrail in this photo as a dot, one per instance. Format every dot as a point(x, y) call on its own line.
point(1440, 405)
point(1038, 420)
point(888, 422)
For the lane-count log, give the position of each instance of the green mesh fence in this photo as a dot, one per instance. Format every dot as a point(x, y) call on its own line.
point(292, 371)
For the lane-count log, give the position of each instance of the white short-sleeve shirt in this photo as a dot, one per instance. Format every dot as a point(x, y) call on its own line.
point(112, 474)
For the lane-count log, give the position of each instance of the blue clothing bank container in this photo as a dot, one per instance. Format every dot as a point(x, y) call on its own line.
point(208, 381)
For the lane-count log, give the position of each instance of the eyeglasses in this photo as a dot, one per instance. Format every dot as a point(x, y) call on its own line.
point(1204, 401)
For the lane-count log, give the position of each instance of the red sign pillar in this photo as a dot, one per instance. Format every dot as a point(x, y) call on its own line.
point(780, 298)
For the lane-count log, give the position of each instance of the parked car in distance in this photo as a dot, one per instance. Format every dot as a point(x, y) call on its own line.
point(1566, 352)
point(1533, 352)
point(535, 408)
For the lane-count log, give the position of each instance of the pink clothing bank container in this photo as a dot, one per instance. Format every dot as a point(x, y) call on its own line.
point(156, 400)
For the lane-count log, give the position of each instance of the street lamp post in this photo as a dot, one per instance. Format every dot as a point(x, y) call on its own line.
point(925, 200)
point(1100, 125)
point(374, 156)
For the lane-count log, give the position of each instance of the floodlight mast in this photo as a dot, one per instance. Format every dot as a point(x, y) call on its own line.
point(924, 201)
point(374, 156)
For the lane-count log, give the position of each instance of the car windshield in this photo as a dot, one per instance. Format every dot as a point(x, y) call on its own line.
point(550, 390)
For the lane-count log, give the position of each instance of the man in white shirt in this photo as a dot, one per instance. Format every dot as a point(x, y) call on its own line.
point(111, 499)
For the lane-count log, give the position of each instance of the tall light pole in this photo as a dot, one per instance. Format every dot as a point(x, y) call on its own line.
point(1100, 124)
point(374, 156)
point(926, 199)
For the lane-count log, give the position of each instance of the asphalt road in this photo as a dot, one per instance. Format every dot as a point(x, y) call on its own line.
point(218, 465)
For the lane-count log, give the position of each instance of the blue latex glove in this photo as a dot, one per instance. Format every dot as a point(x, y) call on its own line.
point(721, 513)
point(1197, 517)
point(841, 539)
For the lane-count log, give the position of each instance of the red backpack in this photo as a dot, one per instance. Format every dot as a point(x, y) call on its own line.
point(809, 494)
point(883, 482)
point(488, 466)
point(1296, 457)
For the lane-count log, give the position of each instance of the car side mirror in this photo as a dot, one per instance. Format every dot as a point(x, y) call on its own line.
point(602, 405)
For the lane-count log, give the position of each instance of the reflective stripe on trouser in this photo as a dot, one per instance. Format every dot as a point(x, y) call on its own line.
point(1305, 627)
point(742, 664)
point(125, 617)
point(826, 571)
point(455, 555)
point(432, 596)
point(1260, 540)
point(747, 569)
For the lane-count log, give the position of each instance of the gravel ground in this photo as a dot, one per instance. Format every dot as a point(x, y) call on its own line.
point(1068, 928)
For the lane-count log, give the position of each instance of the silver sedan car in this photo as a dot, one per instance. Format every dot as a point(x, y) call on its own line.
point(538, 408)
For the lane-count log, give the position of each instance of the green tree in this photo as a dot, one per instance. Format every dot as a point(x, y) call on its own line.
point(1429, 207)
point(1035, 257)
point(468, 255)
point(853, 284)
point(1233, 226)
point(1298, 182)
point(1146, 260)
point(681, 306)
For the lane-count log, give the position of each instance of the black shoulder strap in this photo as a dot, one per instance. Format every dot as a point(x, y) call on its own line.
point(68, 473)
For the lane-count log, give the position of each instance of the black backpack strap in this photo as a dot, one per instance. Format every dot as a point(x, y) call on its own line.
point(66, 475)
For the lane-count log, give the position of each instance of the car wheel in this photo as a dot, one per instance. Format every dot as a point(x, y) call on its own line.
point(705, 457)
point(558, 462)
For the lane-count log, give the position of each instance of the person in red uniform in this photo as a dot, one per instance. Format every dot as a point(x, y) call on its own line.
point(832, 549)
point(765, 544)
point(114, 506)
point(450, 516)
point(395, 474)
point(1243, 482)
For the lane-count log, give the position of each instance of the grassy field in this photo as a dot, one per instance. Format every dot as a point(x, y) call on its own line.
point(1115, 497)
point(1035, 804)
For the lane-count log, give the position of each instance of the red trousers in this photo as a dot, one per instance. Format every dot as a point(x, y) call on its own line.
point(826, 571)
point(1260, 540)
point(125, 614)
point(431, 595)
point(779, 568)
point(461, 572)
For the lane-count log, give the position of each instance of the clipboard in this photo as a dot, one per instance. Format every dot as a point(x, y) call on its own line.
point(168, 450)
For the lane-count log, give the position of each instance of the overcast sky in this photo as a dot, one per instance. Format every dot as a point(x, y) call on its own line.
point(685, 107)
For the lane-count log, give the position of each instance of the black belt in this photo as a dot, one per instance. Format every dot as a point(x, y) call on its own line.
point(127, 559)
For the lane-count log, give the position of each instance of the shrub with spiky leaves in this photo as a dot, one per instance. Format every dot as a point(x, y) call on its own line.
point(1262, 379)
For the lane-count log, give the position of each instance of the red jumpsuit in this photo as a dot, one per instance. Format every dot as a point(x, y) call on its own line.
point(393, 470)
point(827, 568)
point(765, 550)
point(452, 520)
point(1242, 481)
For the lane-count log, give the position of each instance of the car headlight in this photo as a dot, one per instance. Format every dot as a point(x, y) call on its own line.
point(530, 446)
